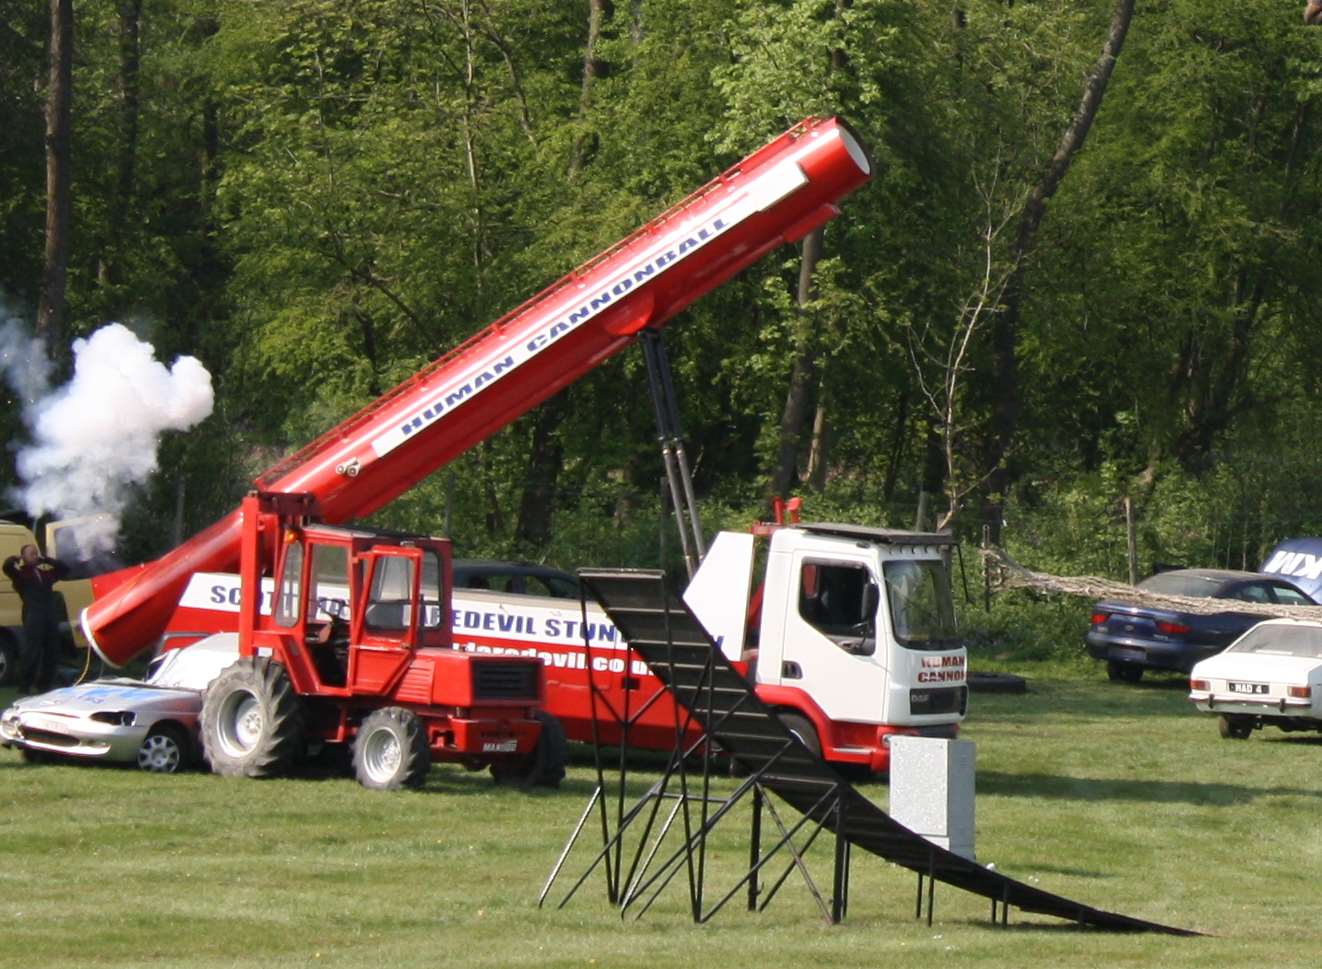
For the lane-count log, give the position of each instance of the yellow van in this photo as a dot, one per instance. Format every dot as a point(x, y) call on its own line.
point(76, 594)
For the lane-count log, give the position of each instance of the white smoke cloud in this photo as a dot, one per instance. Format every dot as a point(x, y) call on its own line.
point(96, 437)
point(24, 363)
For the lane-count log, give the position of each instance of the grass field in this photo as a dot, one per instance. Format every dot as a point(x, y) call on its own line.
point(1119, 796)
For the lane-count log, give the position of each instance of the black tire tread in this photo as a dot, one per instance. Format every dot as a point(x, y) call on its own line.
point(416, 759)
point(798, 724)
point(283, 715)
point(544, 766)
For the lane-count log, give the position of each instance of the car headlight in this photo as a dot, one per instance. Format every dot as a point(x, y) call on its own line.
point(118, 718)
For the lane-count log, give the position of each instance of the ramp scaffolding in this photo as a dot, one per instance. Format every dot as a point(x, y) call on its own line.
point(720, 720)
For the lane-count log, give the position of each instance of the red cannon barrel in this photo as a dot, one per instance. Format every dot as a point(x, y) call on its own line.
point(778, 194)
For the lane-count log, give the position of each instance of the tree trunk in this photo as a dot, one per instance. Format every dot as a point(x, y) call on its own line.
point(130, 56)
point(899, 436)
point(51, 310)
point(1005, 326)
point(819, 450)
point(545, 458)
point(803, 373)
point(545, 455)
point(599, 11)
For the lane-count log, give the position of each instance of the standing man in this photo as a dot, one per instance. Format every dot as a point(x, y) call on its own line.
point(34, 576)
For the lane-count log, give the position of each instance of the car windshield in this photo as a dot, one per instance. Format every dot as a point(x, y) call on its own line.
point(1182, 584)
point(919, 597)
point(1281, 641)
point(188, 668)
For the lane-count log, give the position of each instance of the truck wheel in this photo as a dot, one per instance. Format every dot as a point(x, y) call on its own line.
point(803, 730)
point(252, 721)
point(544, 766)
point(1123, 672)
point(8, 660)
point(164, 750)
point(1234, 728)
point(391, 750)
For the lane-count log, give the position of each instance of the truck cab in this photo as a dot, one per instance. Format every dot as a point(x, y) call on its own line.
point(352, 646)
point(850, 632)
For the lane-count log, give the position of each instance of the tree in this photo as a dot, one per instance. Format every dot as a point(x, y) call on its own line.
point(59, 93)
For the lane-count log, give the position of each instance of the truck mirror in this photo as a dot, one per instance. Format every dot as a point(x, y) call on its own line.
point(871, 600)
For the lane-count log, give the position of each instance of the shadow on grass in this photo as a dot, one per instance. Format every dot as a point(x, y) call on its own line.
point(1039, 868)
point(1161, 682)
point(1139, 791)
point(1049, 928)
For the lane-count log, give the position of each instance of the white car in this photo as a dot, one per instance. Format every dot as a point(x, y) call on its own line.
point(1272, 675)
point(152, 721)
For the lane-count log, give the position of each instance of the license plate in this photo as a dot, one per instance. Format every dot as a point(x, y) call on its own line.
point(1251, 688)
point(502, 747)
point(36, 721)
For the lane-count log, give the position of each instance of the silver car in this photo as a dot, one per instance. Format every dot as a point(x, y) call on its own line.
point(153, 721)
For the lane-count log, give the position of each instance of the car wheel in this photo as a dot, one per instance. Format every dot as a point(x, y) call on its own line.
point(544, 766)
point(1117, 671)
point(164, 750)
point(1234, 728)
point(803, 730)
point(8, 660)
point(252, 721)
point(31, 756)
point(391, 750)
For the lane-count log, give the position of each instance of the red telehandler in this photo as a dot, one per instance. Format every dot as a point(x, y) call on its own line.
point(390, 684)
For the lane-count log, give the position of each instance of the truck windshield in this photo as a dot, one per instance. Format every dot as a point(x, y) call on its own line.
point(922, 614)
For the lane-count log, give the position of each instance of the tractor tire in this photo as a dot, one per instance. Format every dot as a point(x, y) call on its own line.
point(544, 766)
point(1234, 728)
point(803, 730)
point(391, 750)
point(252, 721)
point(165, 750)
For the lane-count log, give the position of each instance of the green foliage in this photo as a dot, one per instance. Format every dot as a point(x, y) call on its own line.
point(325, 196)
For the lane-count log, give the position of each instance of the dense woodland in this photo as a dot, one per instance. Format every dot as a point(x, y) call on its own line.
point(1086, 269)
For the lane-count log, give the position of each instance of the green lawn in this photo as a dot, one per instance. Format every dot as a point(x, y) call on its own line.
point(1119, 796)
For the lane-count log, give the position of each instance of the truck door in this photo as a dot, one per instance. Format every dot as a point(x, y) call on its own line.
point(386, 626)
point(328, 610)
point(830, 645)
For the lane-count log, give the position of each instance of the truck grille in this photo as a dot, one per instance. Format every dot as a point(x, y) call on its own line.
point(948, 700)
point(506, 681)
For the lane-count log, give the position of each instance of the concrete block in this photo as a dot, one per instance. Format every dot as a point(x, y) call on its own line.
point(932, 790)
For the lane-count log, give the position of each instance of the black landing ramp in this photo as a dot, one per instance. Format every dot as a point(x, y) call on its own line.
point(660, 630)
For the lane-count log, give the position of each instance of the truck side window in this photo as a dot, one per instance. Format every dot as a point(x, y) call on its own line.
point(391, 596)
point(834, 600)
point(287, 608)
point(431, 590)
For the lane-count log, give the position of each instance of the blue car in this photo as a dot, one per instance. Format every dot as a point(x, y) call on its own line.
point(1132, 638)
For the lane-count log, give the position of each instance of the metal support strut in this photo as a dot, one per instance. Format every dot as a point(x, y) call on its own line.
point(687, 783)
point(671, 437)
